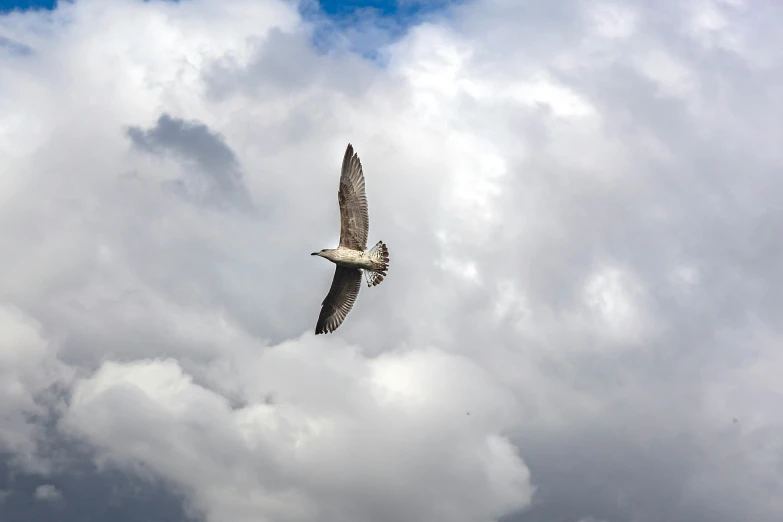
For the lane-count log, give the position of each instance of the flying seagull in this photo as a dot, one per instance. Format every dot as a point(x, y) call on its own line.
point(351, 256)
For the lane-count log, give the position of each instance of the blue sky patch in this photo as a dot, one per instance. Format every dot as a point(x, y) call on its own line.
point(366, 26)
point(337, 8)
point(10, 5)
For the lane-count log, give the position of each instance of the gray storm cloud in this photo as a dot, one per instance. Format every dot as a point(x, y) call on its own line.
point(212, 174)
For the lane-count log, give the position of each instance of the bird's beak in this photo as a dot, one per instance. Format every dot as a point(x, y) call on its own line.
point(314, 254)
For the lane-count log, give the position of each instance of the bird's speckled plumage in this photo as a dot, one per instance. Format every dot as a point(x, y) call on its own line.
point(351, 256)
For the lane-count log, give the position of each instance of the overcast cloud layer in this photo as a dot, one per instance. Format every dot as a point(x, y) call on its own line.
point(581, 199)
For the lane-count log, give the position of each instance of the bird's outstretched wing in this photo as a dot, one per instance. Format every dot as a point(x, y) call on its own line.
point(339, 300)
point(354, 218)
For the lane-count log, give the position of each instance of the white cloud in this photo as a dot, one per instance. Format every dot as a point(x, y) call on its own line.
point(579, 200)
point(339, 432)
point(47, 493)
point(613, 20)
point(28, 369)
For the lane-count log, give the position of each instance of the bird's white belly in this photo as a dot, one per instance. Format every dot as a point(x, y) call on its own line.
point(352, 259)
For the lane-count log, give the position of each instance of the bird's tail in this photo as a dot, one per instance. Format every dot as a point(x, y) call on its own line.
point(380, 258)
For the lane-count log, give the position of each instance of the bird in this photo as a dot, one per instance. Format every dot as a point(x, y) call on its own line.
point(351, 256)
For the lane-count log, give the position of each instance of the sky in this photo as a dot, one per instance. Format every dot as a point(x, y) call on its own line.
point(581, 319)
point(10, 5)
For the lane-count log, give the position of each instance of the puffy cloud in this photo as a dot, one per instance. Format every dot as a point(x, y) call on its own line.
point(30, 374)
point(220, 183)
point(47, 493)
point(579, 198)
point(315, 433)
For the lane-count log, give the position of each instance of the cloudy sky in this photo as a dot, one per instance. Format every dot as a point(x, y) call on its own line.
point(581, 199)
